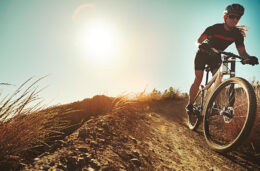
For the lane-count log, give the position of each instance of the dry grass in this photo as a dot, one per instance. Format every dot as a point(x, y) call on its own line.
point(156, 95)
point(23, 127)
point(27, 130)
point(254, 143)
point(27, 134)
point(16, 103)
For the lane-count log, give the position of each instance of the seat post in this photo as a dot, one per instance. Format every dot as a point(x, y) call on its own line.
point(207, 69)
point(207, 77)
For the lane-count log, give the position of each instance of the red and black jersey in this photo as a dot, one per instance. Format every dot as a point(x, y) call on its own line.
point(220, 38)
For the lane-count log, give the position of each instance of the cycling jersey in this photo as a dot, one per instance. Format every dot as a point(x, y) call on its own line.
point(220, 38)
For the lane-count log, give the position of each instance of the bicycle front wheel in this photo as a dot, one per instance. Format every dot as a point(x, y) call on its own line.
point(229, 114)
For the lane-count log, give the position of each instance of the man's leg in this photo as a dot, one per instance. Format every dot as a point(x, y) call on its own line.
point(195, 86)
point(214, 71)
point(199, 65)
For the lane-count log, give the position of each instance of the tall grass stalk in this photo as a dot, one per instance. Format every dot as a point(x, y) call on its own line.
point(17, 102)
point(24, 127)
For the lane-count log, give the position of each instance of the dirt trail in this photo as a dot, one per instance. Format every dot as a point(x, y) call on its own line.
point(157, 139)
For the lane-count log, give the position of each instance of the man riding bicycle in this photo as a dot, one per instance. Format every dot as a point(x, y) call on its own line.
point(218, 36)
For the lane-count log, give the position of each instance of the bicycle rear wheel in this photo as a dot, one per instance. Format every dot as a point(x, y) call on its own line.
point(194, 119)
point(229, 114)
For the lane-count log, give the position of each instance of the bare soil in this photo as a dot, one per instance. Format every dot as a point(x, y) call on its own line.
point(156, 138)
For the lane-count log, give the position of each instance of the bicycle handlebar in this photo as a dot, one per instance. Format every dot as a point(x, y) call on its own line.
point(213, 52)
point(228, 54)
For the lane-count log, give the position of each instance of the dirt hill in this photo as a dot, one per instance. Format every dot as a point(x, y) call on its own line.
point(151, 136)
point(118, 134)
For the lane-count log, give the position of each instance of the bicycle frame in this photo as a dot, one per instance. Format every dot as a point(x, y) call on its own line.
point(218, 76)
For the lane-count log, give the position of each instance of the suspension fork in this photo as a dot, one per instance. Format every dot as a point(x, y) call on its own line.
point(231, 92)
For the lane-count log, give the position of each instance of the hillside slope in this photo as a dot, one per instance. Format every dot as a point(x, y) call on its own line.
point(154, 138)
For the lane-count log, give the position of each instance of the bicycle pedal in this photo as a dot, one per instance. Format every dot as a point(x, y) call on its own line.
point(192, 114)
point(189, 113)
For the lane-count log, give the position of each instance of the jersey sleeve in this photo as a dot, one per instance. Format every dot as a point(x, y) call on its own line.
point(239, 40)
point(208, 32)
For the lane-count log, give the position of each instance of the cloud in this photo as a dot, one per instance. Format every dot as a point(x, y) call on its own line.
point(80, 9)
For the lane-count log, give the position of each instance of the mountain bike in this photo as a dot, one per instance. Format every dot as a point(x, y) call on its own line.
point(228, 109)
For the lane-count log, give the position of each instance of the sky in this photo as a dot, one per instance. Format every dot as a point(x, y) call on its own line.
point(111, 47)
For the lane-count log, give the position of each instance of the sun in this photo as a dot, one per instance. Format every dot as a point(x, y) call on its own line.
point(99, 41)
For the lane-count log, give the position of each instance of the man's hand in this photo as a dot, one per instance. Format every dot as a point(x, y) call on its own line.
point(251, 60)
point(205, 46)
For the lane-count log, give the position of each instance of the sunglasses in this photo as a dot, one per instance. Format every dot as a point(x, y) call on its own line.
point(234, 16)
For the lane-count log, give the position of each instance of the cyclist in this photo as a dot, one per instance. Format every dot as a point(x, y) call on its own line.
point(218, 36)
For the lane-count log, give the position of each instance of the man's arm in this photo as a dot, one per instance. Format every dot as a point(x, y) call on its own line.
point(201, 39)
point(242, 52)
point(252, 60)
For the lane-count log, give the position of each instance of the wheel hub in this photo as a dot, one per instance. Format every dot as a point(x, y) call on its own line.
point(228, 114)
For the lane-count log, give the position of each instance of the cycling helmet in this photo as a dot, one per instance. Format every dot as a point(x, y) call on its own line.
point(234, 8)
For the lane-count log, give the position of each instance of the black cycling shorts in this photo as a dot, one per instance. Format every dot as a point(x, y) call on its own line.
point(202, 58)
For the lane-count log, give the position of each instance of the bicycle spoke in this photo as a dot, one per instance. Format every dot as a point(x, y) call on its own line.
point(239, 116)
point(240, 106)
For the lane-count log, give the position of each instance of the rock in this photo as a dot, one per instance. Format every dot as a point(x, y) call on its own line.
point(60, 166)
point(46, 168)
point(36, 159)
point(82, 133)
point(86, 155)
point(63, 159)
point(102, 140)
point(90, 169)
point(136, 162)
point(95, 164)
point(133, 139)
point(124, 155)
point(81, 162)
point(93, 143)
point(83, 149)
point(74, 153)
point(131, 156)
point(136, 153)
point(100, 130)
point(52, 163)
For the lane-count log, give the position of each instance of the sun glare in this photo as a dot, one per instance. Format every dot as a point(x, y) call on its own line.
point(99, 41)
